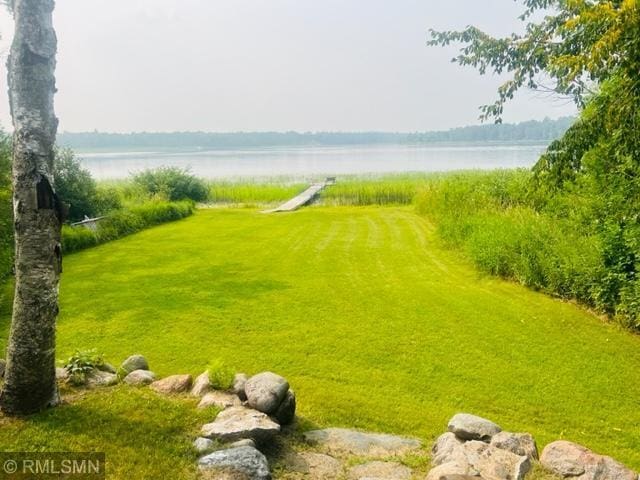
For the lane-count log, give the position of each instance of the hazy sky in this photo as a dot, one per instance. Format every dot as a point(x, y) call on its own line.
point(229, 65)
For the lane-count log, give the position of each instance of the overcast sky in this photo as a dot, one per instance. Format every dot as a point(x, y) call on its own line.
point(306, 65)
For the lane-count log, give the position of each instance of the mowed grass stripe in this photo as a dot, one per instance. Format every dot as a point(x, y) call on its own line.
point(375, 326)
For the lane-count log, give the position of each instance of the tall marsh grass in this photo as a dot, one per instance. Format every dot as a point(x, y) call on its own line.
point(253, 193)
point(381, 190)
point(491, 217)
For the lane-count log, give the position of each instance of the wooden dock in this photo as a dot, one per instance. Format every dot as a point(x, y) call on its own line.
point(303, 198)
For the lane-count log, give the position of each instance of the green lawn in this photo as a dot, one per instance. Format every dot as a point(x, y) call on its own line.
point(375, 326)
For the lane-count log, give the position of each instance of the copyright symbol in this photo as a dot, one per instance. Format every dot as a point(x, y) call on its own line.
point(10, 466)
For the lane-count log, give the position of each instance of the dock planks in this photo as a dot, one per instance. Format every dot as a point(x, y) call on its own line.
point(301, 199)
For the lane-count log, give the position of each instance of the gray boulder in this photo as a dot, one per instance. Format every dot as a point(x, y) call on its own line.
point(569, 459)
point(286, 412)
point(492, 463)
point(471, 427)
point(452, 471)
point(518, 443)
point(341, 441)
point(140, 377)
point(245, 442)
point(266, 391)
point(99, 378)
point(202, 444)
point(219, 400)
point(135, 362)
point(201, 385)
point(314, 466)
point(245, 463)
point(107, 367)
point(239, 382)
point(448, 448)
point(62, 374)
point(173, 384)
point(236, 423)
point(452, 456)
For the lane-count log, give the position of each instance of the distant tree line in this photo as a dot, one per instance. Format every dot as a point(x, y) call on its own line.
point(531, 131)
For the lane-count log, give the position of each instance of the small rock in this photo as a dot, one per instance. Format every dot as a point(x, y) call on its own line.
point(239, 381)
point(98, 378)
point(451, 471)
point(243, 462)
point(140, 377)
point(3, 366)
point(135, 362)
point(236, 423)
point(315, 466)
point(457, 476)
point(448, 448)
point(203, 445)
point(266, 391)
point(219, 400)
point(518, 443)
point(569, 459)
point(380, 471)
point(201, 385)
point(245, 442)
point(107, 367)
point(492, 463)
point(173, 384)
point(62, 374)
point(471, 427)
point(286, 412)
point(473, 458)
point(352, 442)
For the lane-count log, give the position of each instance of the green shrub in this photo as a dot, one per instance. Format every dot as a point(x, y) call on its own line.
point(124, 222)
point(77, 238)
point(74, 185)
point(107, 199)
point(220, 375)
point(172, 183)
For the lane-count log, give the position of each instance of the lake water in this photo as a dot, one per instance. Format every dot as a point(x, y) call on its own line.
point(315, 161)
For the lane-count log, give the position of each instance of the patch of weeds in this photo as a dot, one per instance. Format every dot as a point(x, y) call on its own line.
point(81, 364)
point(220, 375)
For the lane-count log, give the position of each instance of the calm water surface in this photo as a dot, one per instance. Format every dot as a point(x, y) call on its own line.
point(310, 161)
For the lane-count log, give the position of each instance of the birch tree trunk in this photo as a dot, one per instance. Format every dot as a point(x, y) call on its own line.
point(30, 383)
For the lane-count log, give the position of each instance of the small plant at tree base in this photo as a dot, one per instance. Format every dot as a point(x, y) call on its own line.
point(220, 375)
point(81, 364)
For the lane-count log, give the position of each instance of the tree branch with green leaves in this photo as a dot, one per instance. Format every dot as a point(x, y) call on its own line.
point(578, 44)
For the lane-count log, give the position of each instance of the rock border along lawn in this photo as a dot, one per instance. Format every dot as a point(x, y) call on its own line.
point(255, 413)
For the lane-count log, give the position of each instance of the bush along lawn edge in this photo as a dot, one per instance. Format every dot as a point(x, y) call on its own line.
point(124, 222)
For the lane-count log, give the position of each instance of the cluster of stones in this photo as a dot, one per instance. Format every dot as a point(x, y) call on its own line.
point(255, 410)
point(569, 459)
point(253, 413)
point(475, 448)
point(133, 371)
point(338, 453)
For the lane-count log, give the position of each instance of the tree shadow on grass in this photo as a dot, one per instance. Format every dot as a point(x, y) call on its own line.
point(116, 420)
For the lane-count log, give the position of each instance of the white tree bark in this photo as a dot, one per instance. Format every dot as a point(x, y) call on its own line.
point(30, 373)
